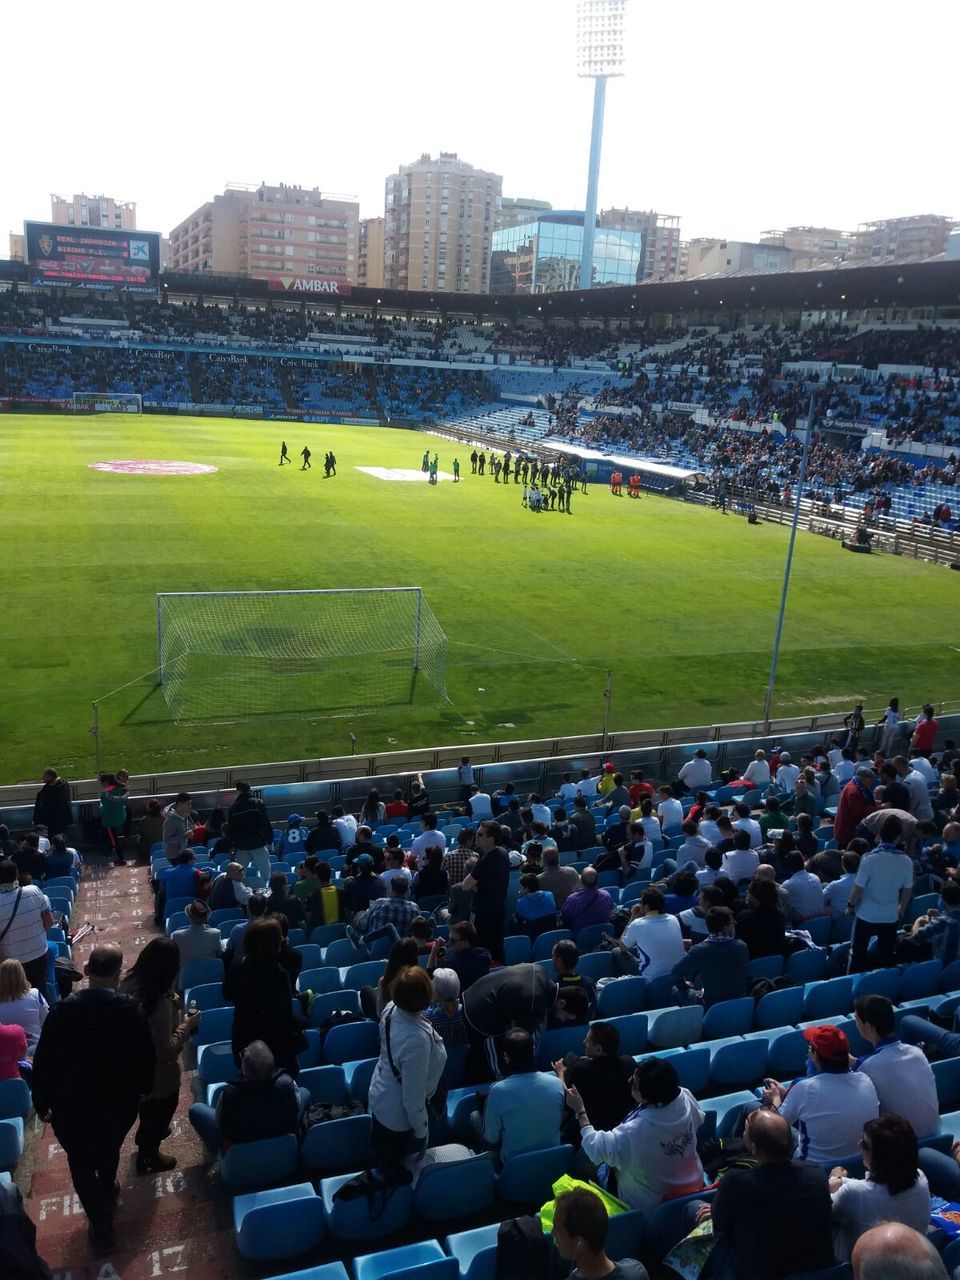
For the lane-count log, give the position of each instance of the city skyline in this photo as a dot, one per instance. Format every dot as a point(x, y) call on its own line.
point(738, 124)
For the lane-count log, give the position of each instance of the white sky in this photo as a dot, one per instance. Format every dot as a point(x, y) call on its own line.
point(738, 116)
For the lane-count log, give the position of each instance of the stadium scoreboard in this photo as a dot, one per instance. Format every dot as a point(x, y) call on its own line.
point(92, 258)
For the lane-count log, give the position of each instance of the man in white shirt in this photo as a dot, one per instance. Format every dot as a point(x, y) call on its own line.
point(428, 836)
point(393, 864)
point(758, 770)
point(845, 767)
point(901, 1074)
point(587, 786)
point(787, 774)
point(828, 1109)
point(835, 754)
point(465, 776)
point(708, 825)
point(803, 889)
point(652, 937)
point(883, 888)
point(696, 773)
point(541, 812)
point(669, 810)
point(837, 893)
point(712, 866)
point(920, 804)
point(479, 804)
point(919, 763)
point(744, 822)
point(741, 861)
point(345, 825)
point(567, 790)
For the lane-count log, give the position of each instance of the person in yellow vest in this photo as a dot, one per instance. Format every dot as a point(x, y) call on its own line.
point(321, 899)
point(605, 783)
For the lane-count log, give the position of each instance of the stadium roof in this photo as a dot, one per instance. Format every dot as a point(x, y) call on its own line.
point(848, 286)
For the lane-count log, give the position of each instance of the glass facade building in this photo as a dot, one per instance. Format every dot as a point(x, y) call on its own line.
point(543, 256)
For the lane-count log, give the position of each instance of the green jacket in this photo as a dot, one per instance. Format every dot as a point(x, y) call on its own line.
point(113, 807)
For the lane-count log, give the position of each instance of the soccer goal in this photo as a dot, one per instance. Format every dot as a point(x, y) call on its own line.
point(103, 402)
point(228, 655)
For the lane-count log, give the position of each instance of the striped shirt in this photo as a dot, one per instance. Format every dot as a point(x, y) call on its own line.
point(26, 939)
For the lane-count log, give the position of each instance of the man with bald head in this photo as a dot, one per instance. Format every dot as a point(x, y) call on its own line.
point(94, 1062)
point(775, 1219)
point(893, 1251)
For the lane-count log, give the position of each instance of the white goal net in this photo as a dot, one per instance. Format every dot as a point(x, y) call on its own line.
point(228, 655)
point(107, 402)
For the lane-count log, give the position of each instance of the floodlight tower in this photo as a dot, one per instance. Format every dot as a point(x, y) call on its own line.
point(599, 56)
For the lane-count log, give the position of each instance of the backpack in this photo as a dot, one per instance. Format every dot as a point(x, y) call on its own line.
point(522, 1249)
point(760, 987)
point(339, 1018)
point(321, 1112)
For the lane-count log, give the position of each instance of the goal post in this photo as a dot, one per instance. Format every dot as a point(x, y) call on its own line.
point(107, 402)
point(228, 655)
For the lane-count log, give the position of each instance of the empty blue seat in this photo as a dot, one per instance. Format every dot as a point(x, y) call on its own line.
point(595, 965)
point(476, 1252)
point(170, 906)
point(351, 1041)
point(633, 1029)
point(738, 1062)
point(625, 1235)
point(691, 1065)
point(819, 930)
point(362, 1220)
point(423, 1261)
point(324, 1084)
point(179, 920)
point(516, 949)
point(828, 998)
point(358, 1076)
point(310, 1056)
point(225, 915)
point(779, 1009)
point(15, 1098)
point(199, 972)
point(946, 1072)
point(765, 967)
point(323, 979)
point(336, 1145)
point(625, 995)
point(311, 955)
point(257, 1164)
point(921, 979)
point(589, 937)
point(671, 1028)
point(806, 966)
point(454, 1189)
point(215, 1063)
point(215, 1025)
point(342, 952)
point(878, 982)
point(529, 1178)
point(11, 1141)
point(366, 974)
point(660, 992)
point(728, 1018)
point(786, 1054)
point(279, 1223)
point(324, 934)
point(322, 1006)
point(666, 1225)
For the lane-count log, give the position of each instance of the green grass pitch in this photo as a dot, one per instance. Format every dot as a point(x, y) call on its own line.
point(679, 601)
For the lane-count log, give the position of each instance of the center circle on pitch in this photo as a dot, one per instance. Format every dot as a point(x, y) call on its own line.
point(152, 467)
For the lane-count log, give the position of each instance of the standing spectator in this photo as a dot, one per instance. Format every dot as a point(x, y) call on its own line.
point(262, 992)
point(198, 941)
point(94, 1063)
point(419, 798)
point(177, 825)
point(21, 1004)
point(518, 995)
point(455, 860)
point(901, 1075)
point(524, 1110)
point(924, 731)
point(654, 1150)
point(652, 937)
point(881, 892)
point(113, 814)
point(588, 905)
point(250, 831)
point(25, 917)
point(855, 803)
point(894, 1189)
point(774, 1219)
point(917, 785)
point(718, 965)
point(465, 778)
point(887, 727)
point(152, 982)
point(489, 881)
point(411, 1062)
point(149, 830)
point(52, 807)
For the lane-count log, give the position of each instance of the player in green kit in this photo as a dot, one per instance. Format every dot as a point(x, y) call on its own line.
point(456, 471)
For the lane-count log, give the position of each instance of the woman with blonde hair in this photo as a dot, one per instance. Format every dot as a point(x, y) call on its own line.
point(20, 1004)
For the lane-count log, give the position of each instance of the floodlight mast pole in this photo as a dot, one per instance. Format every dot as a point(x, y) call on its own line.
point(801, 479)
point(600, 55)
point(593, 177)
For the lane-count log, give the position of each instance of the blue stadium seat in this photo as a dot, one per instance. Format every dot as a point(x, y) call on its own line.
point(660, 993)
point(666, 1225)
point(946, 1072)
point(786, 1055)
point(179, 920)
point(806, 966)
point(215, 1025)
point(341, 952)
point(828, 998)
point(365, 974)
point(268, 1225)
point(336, 1145)
point(323, 979)
point(728, 1018)
point(595, 965)
point(558, 1043)
point(671, 1028)
point(324, 1084)
point(311, 954)
point(691, 1065)
point(819, 930)
point(516, 949)
point(258, 1164)
point(735, 1063)
point(529, 1178)
point(920, 980)
point(877, 982)
point(358, 1076)
point(359, 1220)
point(625, 1235)
point(225, 915)
point(765, 967)
point(590, 937)
point(323, 1006)
point(15, 1099)
point(172, 905)
point(476, 1252)
point(208, 995)
point(455, 1189)
point(779, 1009)
point(423, 1261)
point(11, 1141)
point(215, 1064)
point(625, 995)
point(199, 972)
point(634, 1032)
point(324, 934)
point(310, 1057)
point(352, 1041)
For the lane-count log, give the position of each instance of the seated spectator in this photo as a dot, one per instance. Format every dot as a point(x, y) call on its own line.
point(281, 902)
point(21, 1004)
point(836, 894)
point(579, 1233)
point(198, 941)
point(712, 867)
point(446, 1011)
point(523, 1111)
point(669, 809)
point(255, 909)
point(936, 935)
point(560, 881)
point(536, 908)
point(684, 892)
point(697, 772)
point(393, 866)
point(565, 957)
point(263, 1103)
point(149, 830)
point(479, 804)
point(630, 857)
point(583, 822)
point(562, 832)
point(619, 832)
point(708, 824)
point(61, 860)
point(571, 1009)
point(693, 921)
point(762, 926)
point(294, 838)
point(461, 954)
point(602, 1077)
point(363, 845)
point(741, 862)
point(324, 902)
point(806, 841)
point(744, 821)
point(28, 858)
point(694, 846)
point(654, 1149)
point(345, 825)
point(803, 889)
point(893, 1251)
point(323, 837)
point(587, 905)
point(229, 888)
point(386, 917)
point(13, 1050)
point(774, 1219)
point(363, 888)
point(901, 1075)
point(757, 771)
point(772, 818)
point(829, 1108)
point(893, 1190)
point(715, 969)
point(653, 938)
point(431, 880)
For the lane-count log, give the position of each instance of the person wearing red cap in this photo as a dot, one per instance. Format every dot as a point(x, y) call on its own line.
point(829, 1107)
